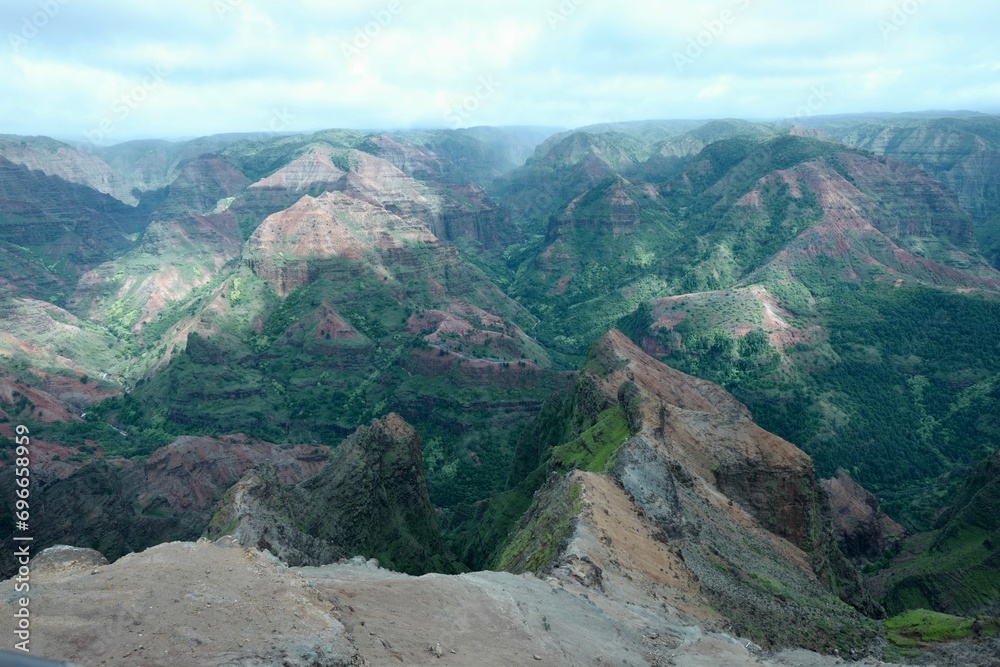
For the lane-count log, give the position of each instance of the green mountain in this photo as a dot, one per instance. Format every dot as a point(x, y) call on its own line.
point(961, 151)
point(835, 277)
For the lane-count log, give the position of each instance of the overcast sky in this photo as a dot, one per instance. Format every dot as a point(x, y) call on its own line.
point(112, 70)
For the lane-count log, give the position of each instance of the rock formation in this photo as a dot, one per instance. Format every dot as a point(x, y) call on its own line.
point(701, 507)
point(863, 531)
point(219, 605)
point(370, 500)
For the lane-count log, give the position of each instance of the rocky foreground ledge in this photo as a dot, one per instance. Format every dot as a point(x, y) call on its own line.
point(218, 604)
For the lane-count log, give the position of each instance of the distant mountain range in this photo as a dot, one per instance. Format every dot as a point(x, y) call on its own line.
point(839, 276)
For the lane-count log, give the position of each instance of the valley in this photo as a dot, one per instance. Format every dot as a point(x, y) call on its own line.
point(685, 381)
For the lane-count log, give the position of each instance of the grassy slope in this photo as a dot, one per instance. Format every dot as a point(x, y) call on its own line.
point(955, 568)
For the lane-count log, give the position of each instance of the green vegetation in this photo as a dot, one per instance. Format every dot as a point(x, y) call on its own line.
point(902, 389)
point(920, 626)
point(898, 385)
point(544, 529)
point(577, 430)
point(593, 450)
point(955, 567)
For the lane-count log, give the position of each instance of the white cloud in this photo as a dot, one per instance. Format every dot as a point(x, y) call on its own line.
point(597, 61)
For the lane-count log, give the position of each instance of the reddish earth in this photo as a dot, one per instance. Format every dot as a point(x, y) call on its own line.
point(562, 284)
point(861, 528)
point(332, 226)
point(50, 460)
point(466, 372)
point(41, 405)
point(414, 161)
point(312, 169)
point(856, 229)
point(192, 473)
point(719, 443)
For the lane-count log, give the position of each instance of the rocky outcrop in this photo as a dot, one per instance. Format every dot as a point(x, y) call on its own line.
point(215, 605)
point(180, 604)
point(862, 530)
point(312, 173)
point(370, 500)
point(414, 161)
point(698, 506)
point(327, 232)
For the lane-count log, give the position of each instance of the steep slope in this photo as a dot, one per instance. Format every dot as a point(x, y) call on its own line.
point(147, 166)
point(46, 351)
point(893, 367)
point(884, 218)
point(955, 568)
point(563, 168)
point(710, 511)
point(54, 230)
point(347, 305)
point(865, 534)
point(332, 227)
point(370, 500)
point(56, 159)
point(187, 244)
point(960, 151)
point(843, 265)
point(673, 153)
point(796, 208)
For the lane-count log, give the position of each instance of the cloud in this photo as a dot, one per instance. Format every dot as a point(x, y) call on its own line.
point(67, 66)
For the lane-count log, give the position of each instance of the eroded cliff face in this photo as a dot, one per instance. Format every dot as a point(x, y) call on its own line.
point(69, 226)
point(58, 160)
point(403, 181)
point(862, 530)
point(329, 232)
point(700, 507)
point(370, 500)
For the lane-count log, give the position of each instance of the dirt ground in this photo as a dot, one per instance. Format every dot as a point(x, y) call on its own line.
point(204, 604)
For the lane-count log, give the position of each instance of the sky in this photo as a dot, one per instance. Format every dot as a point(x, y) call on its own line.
point(106, 71)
